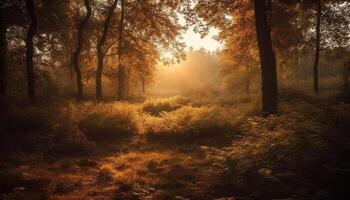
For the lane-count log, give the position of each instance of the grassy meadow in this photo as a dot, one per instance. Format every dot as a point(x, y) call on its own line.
point(177, 148)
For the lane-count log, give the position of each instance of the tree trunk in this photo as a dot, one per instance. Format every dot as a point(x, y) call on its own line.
point(297, 71)
point(68, 60)
point(121, 68)
point(267, 59)
point(70, 68)
point(100, 53)
point(346, 74)
point(30, 50)
point(248, 81)
point(269, 7)
point(67, 41)
point(317, 50)
point(3, 56)
point(76, 54)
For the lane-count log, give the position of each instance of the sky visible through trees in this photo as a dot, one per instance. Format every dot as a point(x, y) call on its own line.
point(195, 40)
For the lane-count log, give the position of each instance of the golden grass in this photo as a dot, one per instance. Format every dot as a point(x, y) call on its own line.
point(149, 169)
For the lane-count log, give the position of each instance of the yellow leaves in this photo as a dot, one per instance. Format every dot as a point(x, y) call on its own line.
point(250, 14)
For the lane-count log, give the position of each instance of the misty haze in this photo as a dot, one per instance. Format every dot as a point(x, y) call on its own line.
point(174, 100)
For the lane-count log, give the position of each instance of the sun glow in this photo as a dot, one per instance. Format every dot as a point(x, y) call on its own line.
point(195, 41)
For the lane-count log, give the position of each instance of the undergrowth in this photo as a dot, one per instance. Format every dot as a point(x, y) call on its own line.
point(220, 148)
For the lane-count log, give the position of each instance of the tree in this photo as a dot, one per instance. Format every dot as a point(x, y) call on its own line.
point(328, 32)
point(100, 52)
point(331, 30)
point(8, 19)
point(250, 39)
point(240, 57)
point(121, 68)
point(80, 36)
point(3, 55)
point(145, 69)
point(317, 44)
point(346, 74)
point(30, 50)
point(145, 26)
point(267, 58)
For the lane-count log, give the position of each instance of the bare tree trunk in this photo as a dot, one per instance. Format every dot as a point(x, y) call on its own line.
point(76, 54)
point(346, 74)
point(296, 72)
point(3, 56)
point(121, 68)
point(68, 62)
point(317, 50)
point(70, 68)
point(100, 53)
point(30, 50)
point(269, 7)
point(67, 40)
point(267, 59)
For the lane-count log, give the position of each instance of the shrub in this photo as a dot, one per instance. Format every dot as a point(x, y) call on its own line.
point(303, 108)
point(155, 107)
point(69, 139)
point(43, 129)
point(288, 94)
point(290, 140)
point(189, 124)
point(27, 128)
point(235, 100)
point(109, 122)
point(339, 115)
point(181, 100)
point(30, 119)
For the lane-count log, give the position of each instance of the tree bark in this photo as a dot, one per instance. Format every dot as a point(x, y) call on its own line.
point(269, 6)
point(70, 68)
point(297, 71)
point(317, 50)
point(81, 28)
point(267, 59)
point(68, 63)
point(30, 50)
point(121, 68)
point(3, 56)
point(100, 53)
point(346, 74)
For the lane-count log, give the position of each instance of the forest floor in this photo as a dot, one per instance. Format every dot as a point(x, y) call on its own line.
point(185, 149)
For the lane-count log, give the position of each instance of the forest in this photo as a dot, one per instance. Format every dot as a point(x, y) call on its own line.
point(174, 99)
